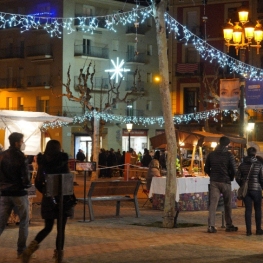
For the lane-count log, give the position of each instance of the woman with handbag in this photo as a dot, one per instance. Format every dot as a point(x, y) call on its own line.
point(53, 161)
point(252, 171)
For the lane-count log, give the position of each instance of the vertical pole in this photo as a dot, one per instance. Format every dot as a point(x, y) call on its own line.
point(84, 198)
point(242, 117)
point(60, 217)
point(129, 142)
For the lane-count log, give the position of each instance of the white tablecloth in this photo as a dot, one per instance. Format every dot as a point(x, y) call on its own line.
point(184, 185)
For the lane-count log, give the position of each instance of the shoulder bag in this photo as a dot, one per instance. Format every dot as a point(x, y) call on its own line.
point(242, 191)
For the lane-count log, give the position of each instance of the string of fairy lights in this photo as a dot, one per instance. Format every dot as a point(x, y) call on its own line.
point(55, 26)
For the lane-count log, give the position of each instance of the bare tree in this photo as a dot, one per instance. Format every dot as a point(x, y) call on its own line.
point(159, 8)
point(85, 87)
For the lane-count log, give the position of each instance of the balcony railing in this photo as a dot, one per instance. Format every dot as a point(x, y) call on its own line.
point(141, 30)
point(100, 23)
point(39, 50)
point(7, 83)
point(187, 68)
point(135, 113)
point(38, 81)
point(131, 57)
point(99, 84)
point(90, 51)
point(12, 52)
point(139, 86)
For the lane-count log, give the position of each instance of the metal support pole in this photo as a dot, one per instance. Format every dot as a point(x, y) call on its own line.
point(129, 142)
point(242, 117)
point(60, 217)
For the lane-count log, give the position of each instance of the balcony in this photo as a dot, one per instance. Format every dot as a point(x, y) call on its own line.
point(138, 87)
point(11, 84)
point(182, 69)
point(132, 58)
point(12, 53)
point(38, 82)
point(39, 53)
point(97, 23)
point(131, 30)
point(134, 113)
point(89, 52)
point(99, 84)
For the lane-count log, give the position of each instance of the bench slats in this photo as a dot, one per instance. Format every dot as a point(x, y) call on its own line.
point(113, 191)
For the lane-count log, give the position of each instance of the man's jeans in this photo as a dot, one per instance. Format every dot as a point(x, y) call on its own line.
point(20, 206)
point(215, 189)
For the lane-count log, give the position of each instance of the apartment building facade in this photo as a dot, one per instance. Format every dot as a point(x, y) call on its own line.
point(190, 72)
point(35, 70)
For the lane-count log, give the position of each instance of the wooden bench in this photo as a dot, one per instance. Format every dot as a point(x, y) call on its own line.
point(113, 191)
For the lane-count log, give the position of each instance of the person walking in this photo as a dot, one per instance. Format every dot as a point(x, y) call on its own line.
point(51, 162)
point(252, 168)
point(14, 179)
point(220, 166)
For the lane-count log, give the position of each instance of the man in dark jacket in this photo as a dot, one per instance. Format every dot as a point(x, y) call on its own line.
point(14, 179)
point(221, 167)
point(146, 158)
point(80, 156)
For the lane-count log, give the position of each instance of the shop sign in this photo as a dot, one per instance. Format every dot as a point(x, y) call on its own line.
point(135, 133)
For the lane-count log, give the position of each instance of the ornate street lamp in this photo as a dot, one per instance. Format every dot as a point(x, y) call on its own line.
point(243, 32)
point(129, 129)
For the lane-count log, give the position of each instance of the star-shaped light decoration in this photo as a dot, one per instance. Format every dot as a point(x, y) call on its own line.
point(117, 70)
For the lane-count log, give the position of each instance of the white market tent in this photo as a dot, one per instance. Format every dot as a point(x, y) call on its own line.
point(29, 123)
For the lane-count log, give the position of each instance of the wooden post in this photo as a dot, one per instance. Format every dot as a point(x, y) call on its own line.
point(127, 166)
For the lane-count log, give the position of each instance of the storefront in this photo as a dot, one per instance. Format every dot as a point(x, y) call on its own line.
point(138, 140)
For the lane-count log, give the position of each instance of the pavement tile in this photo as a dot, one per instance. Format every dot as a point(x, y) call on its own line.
point(111, 239)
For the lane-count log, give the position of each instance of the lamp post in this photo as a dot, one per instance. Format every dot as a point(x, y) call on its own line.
point(240, 36)
point(242, 33)
point(129, 129)
point(250, 127)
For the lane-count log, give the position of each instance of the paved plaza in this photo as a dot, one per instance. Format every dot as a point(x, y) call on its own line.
point(126, 239)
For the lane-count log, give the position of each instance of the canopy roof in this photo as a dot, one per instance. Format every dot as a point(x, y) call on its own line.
point(29, 123)
point(190, 138)
point(42, 117)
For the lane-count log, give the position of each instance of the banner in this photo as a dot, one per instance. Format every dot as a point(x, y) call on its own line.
point(254, 94)
point(229, 94)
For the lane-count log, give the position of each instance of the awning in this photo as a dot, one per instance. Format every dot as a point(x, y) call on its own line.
point(28, 123)
point(190, 138)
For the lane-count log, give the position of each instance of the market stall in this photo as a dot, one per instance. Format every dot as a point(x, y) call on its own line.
point(191, 193)
point(195, 141)
point(30, 124)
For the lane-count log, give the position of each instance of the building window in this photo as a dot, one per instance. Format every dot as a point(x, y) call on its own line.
point(86, 46)
point(190, 100)
point(149, 78)
point(87, 10)
point(149, 105)
point(192, 20)
point(149, 50)
point(149, 22)
point(115, 45)
point(191, 55)
point(129, 108)
point(114, 104)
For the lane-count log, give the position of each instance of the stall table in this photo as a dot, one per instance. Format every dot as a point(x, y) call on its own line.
point(191, 193)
